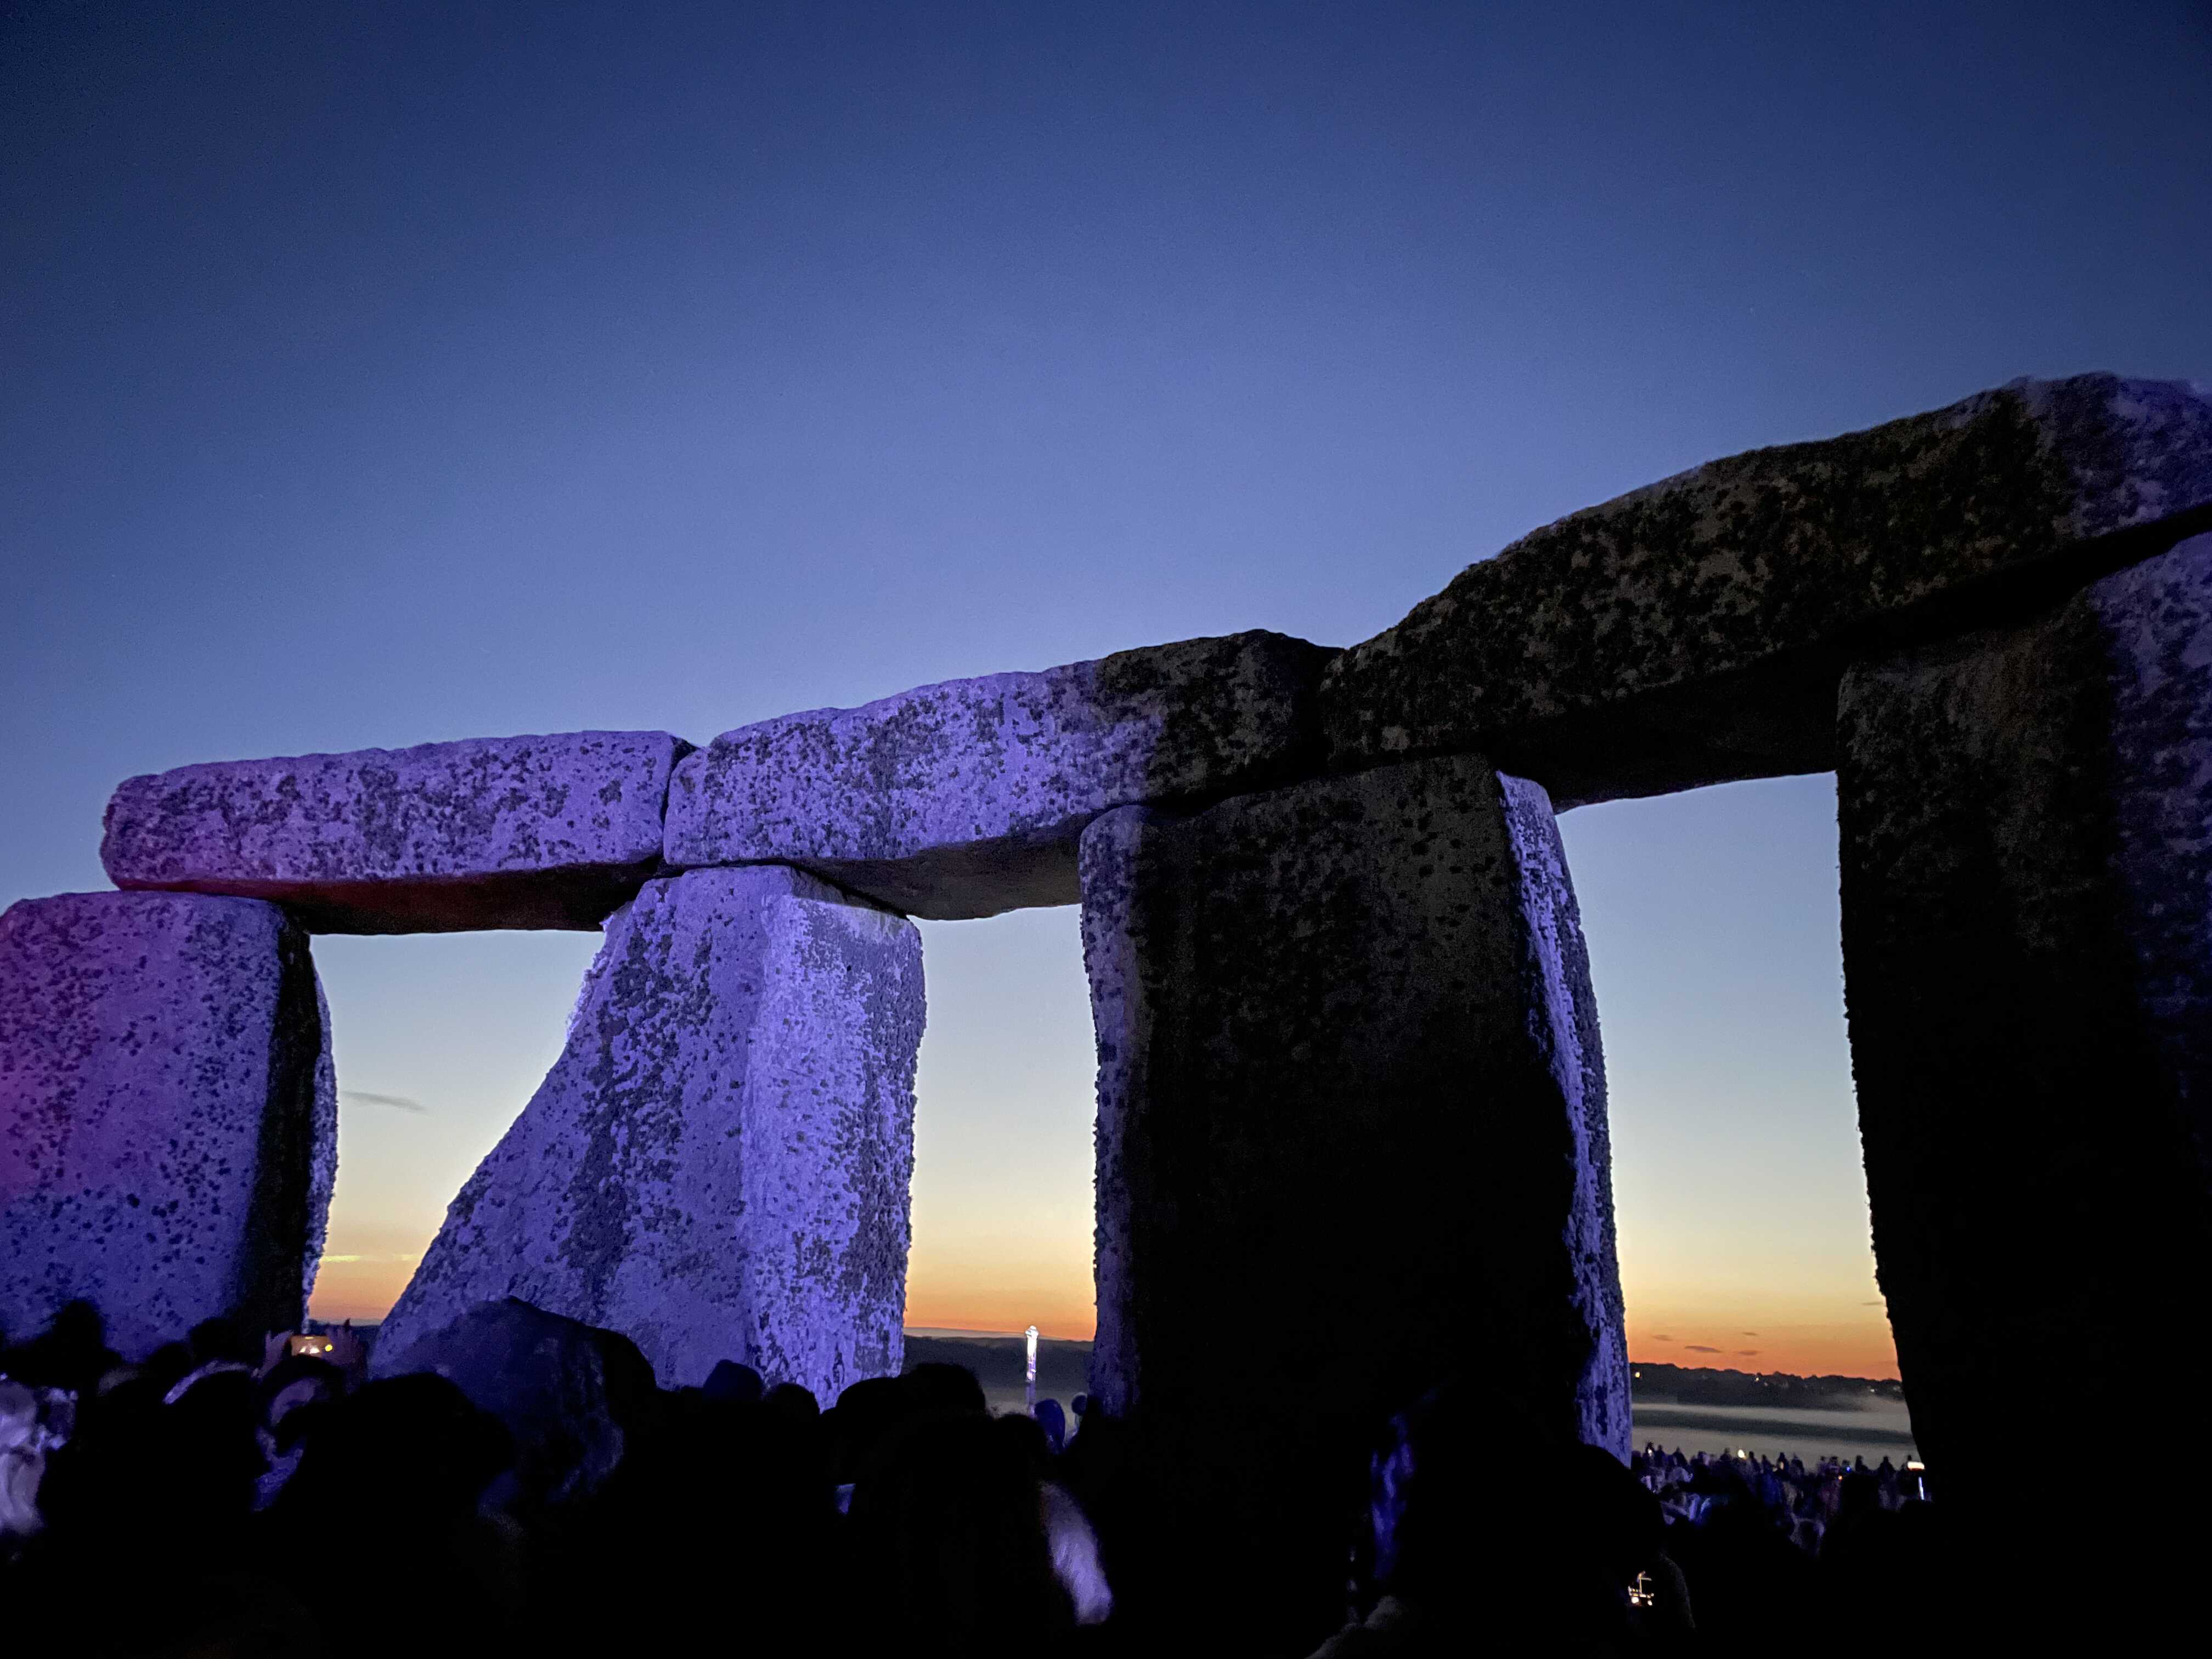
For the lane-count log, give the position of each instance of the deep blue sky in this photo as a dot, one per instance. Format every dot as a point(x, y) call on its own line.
point(378, 374)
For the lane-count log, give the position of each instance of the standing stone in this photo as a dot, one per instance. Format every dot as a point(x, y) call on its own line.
point(493, 832)
point(2026, 829)
point(167, 1114)
point(966, 798)
point(717, 1165)
point(1352, 1140)
point(1693, 631)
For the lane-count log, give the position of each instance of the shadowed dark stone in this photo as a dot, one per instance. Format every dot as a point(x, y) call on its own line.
point(573, 1396)
point(966, 798)
point(167, 1114)
point(539, 832)
point(1693, 631)
point(2026, 825)
point(1352, 1140)
point(717, 1165)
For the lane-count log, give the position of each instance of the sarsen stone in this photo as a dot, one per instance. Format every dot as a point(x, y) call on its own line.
point(494, 832)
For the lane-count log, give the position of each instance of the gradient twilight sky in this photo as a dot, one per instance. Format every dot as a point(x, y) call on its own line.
point(384, 373)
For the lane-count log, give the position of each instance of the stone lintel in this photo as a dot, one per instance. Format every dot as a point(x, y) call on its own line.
point(1693, 631)
point(967, 798)
point(533, 832)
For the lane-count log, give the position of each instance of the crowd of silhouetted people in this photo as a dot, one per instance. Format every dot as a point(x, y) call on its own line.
point(1801, 1501)
point(235, 1494)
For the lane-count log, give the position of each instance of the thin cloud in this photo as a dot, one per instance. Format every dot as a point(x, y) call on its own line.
point(1662, 1339)
point(1699, 1347)
point(1747, 1353)
point(400, 1101)
point(1747, 1332)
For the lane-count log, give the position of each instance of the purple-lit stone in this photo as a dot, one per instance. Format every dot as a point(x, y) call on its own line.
point(494, 832)
point(1693, 631)
point(2026, 880)
point(717, 1165)
point(167, 1114)
point(966, 798)
point(1352, 1136)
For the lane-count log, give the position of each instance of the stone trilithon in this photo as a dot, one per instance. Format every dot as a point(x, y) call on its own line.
point(1351, 1106)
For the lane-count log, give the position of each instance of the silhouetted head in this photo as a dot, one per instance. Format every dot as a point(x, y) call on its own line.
point(730, 1383)
point(210, 1428)
point(296, 1380)
point(167, 1366)
point(864, 1413)
point(949, 1530)
point(1576, 1529)
point(1028, 1438)
point(936, 1386)
point(792, 1402)
point(72, 1353)
point(1053, 1421)
point(1861, 1492)
point(411, 1448)
point(79, 1323)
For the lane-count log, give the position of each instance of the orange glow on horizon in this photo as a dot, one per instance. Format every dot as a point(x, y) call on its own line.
point(1060, 1312)
point(359, 1287)
point(1848, 1342)
point(364, 1287)
point(1837, 1347)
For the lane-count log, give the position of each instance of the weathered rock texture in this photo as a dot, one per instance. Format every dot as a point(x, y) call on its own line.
point(167, 1114)
point(717, 1165)
point(2027, 820)
point(573, 1396)
point(967, 798)
point(498, 832)
point(1693, 631)
point(1351, 1134)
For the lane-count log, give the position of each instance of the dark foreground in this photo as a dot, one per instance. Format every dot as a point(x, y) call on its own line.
point(229, 1499)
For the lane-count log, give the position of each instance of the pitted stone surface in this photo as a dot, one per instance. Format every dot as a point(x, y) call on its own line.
point(1693, 631)
point(966, 798)
point(167, 1114)
point(1350, 1098)
point(2027, 860)
point(717, 1166)
point(496, 832)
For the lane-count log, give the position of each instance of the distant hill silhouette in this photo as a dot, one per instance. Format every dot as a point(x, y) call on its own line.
point(1062, 1369)
point(1691, 1385)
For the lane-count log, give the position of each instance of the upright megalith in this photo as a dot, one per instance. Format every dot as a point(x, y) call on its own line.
point(494, 832)
point(2026, 829)
point(1352, 1139)
point(1693, 631)
point(966, 798)
point(717, 1165)
point(168, 1112)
